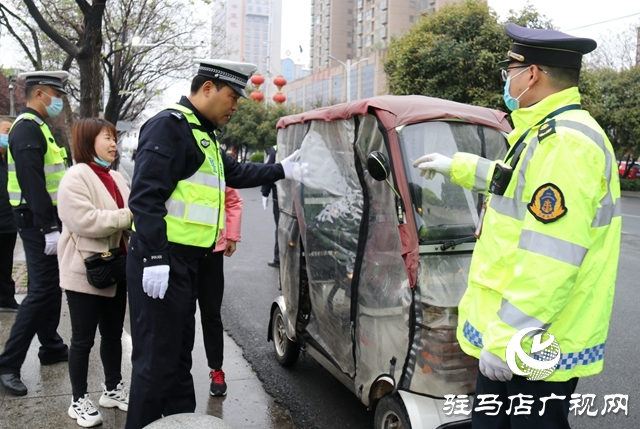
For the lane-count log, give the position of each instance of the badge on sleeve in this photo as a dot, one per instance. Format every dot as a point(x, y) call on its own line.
point(547, 203)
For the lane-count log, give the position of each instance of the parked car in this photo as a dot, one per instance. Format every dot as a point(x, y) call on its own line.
point(630, 172)
point(374, 258)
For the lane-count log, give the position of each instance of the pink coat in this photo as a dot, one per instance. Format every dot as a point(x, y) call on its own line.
point(233, 219)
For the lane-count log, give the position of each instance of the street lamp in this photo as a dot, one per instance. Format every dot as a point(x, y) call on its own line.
point(12, 109)
point(348, 67)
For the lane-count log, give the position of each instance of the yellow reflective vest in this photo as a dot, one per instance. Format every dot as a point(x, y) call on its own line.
point(547, 256)
point(54, 164)
point(195, 209)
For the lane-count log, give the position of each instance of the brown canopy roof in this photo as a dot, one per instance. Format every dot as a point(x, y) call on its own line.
point(395, 110)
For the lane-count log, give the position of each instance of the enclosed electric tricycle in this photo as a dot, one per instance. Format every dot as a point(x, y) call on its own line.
point(374, 258)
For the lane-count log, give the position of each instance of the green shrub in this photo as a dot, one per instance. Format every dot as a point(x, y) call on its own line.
point(257, 157)
point(630, 185)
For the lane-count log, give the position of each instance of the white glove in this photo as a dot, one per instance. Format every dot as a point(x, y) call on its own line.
point(265, 202)
point(494, 368)
point(432, 164)
point(155, 280)
point(51, 243)
point(291, 166)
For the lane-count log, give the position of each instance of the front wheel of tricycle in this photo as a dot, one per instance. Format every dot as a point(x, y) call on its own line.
point(287, 351)
point(391, 413)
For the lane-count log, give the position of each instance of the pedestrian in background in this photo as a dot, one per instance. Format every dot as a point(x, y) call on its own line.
point(265, 190)
point(92, 204)
point(36, 165)
point(8, 233)
point(211, 290)
point(178, 201)
point(547, 251)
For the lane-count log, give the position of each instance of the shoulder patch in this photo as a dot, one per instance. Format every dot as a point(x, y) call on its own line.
point(546, 129)
point(178, 115)
point(547, 203)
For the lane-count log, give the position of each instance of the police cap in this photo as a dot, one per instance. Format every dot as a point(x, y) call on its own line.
point(547, 47)
point(233, 73)
point(54, 79)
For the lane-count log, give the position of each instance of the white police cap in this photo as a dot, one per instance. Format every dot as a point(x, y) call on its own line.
point(54, 79)
point(233, 73)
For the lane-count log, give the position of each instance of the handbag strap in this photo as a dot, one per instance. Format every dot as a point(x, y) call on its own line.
point(76, 245)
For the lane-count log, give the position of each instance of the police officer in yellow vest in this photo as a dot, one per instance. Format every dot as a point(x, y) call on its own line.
point(546, 258)
point(36, 164)
point(177, 200)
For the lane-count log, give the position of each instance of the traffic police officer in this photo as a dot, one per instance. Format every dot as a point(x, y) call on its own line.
point(547, 252)
point(36, 164)
point(177, 200)
point(265, 190)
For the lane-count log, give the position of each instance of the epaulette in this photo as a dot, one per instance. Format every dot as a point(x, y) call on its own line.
point(546, 129)
point(177, 114)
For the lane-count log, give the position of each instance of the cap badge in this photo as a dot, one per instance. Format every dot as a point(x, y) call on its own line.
point(205, 143)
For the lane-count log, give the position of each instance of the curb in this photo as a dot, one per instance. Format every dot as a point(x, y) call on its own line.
point(631, 194)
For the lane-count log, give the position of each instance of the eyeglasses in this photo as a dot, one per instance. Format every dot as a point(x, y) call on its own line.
point(504, 72)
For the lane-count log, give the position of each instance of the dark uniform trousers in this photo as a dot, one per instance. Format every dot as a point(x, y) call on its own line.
point(556, 411)
point(210, 291)
point(39, 312)
point(163, 332)
point(276, 218)
point(7, 285)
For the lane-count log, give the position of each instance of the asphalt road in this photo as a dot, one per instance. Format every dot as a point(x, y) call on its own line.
point(317, 400)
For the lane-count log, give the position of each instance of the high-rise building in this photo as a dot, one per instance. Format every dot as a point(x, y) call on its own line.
point(348, 41)
point(249, 31)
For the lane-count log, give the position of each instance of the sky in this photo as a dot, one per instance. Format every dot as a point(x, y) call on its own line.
point(565, 14)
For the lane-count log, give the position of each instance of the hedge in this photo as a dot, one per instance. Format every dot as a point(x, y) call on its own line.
point(630, 185)
point(257, 157)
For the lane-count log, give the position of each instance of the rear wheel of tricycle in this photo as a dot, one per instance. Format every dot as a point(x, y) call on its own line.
point(287, 351)
point(391, 413)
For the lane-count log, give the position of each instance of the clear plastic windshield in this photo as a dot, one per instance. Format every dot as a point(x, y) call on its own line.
point(443, 210)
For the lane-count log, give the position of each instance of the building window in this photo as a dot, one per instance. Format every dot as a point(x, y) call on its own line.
point(259, 9)
point(350, 11)
point(412, 4)
point(367, 41)
point(411, 18)
point(349, 45)
point(249, 8)
point(367, 14)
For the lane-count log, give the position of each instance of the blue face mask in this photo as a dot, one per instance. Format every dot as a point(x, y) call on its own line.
point(512, 103)
point(4, 140)
point(55, 107)
point(101, 162)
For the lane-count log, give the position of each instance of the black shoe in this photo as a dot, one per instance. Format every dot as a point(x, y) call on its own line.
point(275, 264)
point(62, 357)
point(9, 306)
point(13, 385)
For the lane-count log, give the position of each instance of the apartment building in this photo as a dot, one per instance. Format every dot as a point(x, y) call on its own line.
point(348, 46)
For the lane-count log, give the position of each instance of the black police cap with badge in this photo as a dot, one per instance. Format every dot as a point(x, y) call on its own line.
point(547, 47)
point(54, 79)
point(232, 73)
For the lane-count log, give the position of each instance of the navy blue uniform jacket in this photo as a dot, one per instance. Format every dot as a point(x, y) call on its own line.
point(167, 153)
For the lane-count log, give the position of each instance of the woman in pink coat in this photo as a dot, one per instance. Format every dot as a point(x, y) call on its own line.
point(211, 289)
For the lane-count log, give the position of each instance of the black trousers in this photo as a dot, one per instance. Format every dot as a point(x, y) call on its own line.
point(87, 313)
point(276, 218)
point(556, 411)
point(210, 292)
point(7, 285)
point(39, 312)
point(163, 332)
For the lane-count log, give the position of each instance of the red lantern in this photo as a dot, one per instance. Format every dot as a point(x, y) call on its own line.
point(279, 81)
point(257, 96)
point(257, 80)
point(279, 98)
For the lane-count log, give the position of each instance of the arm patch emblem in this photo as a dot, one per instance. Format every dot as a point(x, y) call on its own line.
point(547, 203)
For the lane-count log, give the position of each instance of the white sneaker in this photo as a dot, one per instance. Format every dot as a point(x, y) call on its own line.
point(118, 397)
point(85, 413)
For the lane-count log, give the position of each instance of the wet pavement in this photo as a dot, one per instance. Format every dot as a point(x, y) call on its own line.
point(245, 406)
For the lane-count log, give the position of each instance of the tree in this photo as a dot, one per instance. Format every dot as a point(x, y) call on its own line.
point(253, 125)
point(454, 54)
point(5, 100)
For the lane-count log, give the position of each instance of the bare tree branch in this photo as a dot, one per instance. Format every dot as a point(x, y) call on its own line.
point(50, 31)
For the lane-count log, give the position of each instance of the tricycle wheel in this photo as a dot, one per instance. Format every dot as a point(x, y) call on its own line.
point(391, 413)
point(287, 351)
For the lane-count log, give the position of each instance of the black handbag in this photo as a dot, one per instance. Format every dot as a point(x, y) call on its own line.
point(105, 269)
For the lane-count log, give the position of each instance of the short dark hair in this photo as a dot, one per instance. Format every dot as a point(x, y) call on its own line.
point(29, 90)
point(198, 81)
point(562, 77)
point(84, 136)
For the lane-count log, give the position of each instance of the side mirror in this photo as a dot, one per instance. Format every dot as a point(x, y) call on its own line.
point(378, 166)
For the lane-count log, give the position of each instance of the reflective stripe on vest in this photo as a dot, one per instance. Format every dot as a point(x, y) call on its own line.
point(54, 165)
point(194, 208)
